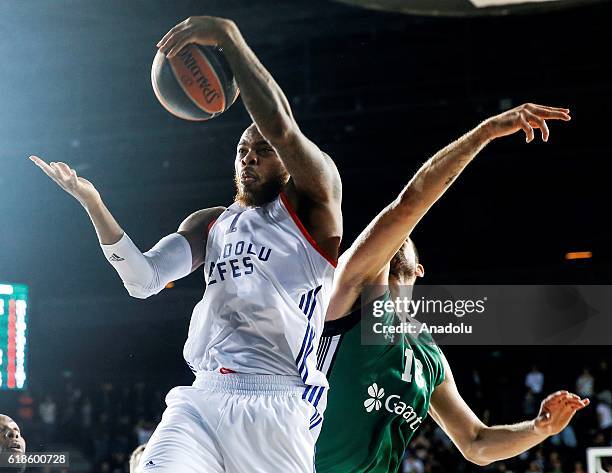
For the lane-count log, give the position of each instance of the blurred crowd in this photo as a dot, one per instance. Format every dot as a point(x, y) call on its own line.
point(107, 421)
point(431, 451)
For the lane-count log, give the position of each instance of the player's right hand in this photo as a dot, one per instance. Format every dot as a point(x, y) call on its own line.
point(65, 177)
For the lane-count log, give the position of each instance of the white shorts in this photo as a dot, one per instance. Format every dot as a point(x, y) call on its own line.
point(234, 423)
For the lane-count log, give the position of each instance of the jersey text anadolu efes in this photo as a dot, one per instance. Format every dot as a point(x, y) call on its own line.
point(268, 287)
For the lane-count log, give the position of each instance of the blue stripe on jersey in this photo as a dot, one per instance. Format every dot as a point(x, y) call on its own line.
point(303, 369)
point(316, 423)
point(304, 341)
point(312, 394)
point(318, 398)
point(314, 303)
point(308, 301)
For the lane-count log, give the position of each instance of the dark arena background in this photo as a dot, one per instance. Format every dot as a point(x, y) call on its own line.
point(380, 91)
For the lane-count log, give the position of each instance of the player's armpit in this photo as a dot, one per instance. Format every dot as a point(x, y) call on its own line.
point(195, 229)
point(348, 290)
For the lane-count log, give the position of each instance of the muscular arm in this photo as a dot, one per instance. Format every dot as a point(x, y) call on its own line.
point(143, 274)
point(483, 445)
point(366, 261)
point(172, 258)
point(195, 229)
point(313, 172)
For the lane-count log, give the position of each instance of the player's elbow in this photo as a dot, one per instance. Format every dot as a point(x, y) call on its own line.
point(409, 204)
point(478, 460)
point(477, 454)
point(281, 131)
point(138, 292)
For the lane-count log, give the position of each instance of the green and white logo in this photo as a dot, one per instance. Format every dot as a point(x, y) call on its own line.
point(392, 404)
point(373, 402)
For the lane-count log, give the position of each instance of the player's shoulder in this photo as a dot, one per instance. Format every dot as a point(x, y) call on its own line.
point(201, 219)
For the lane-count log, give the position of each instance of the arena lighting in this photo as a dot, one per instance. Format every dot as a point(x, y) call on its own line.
point(6, 289)
point(502, 3)
point(578, 255)
point(13, 336)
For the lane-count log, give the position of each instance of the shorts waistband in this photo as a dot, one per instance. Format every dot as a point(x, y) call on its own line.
point(249, 383)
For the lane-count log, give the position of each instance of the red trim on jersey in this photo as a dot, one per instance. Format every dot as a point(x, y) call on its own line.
point(302, 228)
point(225, 371)
point(212, 222)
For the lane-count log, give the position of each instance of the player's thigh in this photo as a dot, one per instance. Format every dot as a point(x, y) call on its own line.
point(266, 434)
point(183, 442)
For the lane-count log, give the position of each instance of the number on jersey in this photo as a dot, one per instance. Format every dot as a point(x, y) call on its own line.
point(407, 374)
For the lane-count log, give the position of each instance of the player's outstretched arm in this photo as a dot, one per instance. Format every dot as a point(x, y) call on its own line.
point(143, 274)
point(107, 228)
point(483, 445)
point(313, 173)
point(365, 262)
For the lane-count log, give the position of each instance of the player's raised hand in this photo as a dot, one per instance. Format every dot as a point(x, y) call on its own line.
point(525, 117)
point(65, 177)
point(557, 410)
point(203, 30)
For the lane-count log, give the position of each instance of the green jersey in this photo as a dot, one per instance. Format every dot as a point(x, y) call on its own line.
point(378, 397)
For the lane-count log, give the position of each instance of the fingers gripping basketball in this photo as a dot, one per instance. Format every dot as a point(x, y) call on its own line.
point(196, 84)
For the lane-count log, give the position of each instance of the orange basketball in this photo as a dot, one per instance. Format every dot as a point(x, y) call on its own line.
point(196, 84)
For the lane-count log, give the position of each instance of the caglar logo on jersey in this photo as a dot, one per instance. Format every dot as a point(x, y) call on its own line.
point(237, 261)
point(392, 404)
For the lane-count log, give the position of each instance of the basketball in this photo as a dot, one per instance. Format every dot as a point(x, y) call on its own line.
point(196, 84)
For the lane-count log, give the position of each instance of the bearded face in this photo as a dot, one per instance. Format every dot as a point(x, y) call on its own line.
point(260, 175)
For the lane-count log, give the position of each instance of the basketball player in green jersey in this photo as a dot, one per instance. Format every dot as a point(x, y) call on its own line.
point(380, 394)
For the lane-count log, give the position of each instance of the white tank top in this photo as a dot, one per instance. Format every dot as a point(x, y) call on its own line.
point(267, 290)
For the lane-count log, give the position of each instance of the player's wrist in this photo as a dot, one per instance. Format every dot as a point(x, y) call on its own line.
point(485, 132)
point(229, 33)
point(542, 432)
point(91, 203)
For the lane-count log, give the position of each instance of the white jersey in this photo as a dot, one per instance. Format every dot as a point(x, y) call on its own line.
point(268, 288)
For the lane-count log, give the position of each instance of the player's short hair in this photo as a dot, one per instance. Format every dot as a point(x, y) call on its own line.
point(401, 266)
point(135, 459)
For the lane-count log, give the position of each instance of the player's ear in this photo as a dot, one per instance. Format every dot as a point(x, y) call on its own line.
point(420, 271)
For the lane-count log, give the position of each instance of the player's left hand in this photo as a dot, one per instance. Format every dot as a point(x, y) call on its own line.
point(556, 411)
point(203, 30)
point(525, 117)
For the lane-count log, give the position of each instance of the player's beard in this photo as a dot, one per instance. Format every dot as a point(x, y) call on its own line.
point(401, 266)
point(266, 192)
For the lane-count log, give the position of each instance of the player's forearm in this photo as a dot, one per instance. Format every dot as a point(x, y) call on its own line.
point(107, 228)
point(262, 97)
point(504, 441)
point(313, 172)
point(441, 170)
point(143, 274)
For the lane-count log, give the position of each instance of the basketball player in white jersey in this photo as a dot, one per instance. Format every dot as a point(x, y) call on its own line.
point(268, 263)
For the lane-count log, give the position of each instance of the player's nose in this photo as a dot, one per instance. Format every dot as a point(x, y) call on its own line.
point(250, 158)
